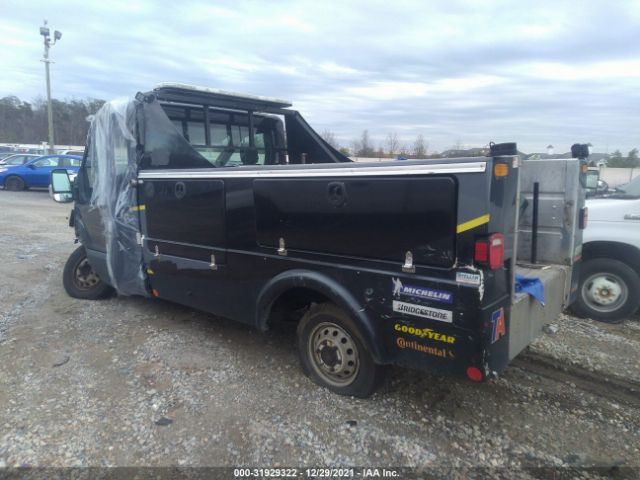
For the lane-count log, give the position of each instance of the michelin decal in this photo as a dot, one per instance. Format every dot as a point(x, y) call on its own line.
point(400, 289)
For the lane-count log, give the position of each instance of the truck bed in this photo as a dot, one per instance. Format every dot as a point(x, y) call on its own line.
point(528, 316)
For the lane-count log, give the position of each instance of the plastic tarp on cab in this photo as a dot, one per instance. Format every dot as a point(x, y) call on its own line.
point(131, 134)
point(127, 135)
point(113, 152)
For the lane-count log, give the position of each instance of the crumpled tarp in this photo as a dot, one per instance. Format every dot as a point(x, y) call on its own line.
point(126, 135)
point(113, 154)
point(531, 285)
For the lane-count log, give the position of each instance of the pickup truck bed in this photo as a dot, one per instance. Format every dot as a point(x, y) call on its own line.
point(528, 316)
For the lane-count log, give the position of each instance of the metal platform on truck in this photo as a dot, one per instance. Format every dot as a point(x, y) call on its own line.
point(557, 245)
point(528, 316)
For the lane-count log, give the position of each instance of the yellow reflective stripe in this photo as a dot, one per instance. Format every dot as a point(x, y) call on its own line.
point(476, 222)
point(137, 208)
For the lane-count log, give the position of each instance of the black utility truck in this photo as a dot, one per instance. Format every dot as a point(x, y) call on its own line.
point(234, 205)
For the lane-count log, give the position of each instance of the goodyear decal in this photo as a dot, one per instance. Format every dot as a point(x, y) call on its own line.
point(138, 208)
point(426, 333)
point(422, 311)
point(498, 325)
point(401, 289)
point(473, 223)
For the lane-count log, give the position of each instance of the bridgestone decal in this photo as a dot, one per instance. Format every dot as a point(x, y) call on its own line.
point(421, 311)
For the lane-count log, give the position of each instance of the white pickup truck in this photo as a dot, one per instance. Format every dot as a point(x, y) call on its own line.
point(609, 288)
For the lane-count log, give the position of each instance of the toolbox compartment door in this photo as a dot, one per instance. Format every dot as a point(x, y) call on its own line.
point(381, 217)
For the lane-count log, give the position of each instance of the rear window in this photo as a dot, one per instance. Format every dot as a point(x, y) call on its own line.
point(229, 136)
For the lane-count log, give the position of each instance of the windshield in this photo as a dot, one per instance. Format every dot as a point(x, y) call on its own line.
point(631, 188)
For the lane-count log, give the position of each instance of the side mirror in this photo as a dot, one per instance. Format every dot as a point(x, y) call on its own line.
point(31, 166)
point(591, 184)
point(61, 186)
point(592, 179)
point(603, 186)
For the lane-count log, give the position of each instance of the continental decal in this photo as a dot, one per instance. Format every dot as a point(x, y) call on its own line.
point(473, 223)
point(425, 333)
point(418, 347)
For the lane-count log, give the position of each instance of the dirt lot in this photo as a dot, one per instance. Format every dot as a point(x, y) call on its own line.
point(134, 381)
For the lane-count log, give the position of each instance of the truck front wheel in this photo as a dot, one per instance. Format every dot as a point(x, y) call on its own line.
point(79, 279)
point(334, 354)
point(608, 291)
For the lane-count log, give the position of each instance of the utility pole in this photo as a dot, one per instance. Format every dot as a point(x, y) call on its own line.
point(44, 31)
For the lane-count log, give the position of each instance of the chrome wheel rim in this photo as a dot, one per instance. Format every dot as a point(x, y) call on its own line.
point(333, 354)
point(605, 292)
point(83, 275)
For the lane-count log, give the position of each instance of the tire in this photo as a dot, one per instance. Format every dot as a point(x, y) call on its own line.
point(79, 279)
point(14, 183)
point(327, 328)
point(608, 291)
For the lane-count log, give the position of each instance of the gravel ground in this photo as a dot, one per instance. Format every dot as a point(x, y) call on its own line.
point(132, 381)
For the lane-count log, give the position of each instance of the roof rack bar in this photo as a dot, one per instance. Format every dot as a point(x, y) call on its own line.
point(209, 96)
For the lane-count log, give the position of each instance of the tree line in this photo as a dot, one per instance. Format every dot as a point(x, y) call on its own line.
point(364, 146)
point(391, 147)
point(26, 122)
point(630, 161)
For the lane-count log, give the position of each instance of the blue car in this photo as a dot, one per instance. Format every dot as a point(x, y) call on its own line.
point(36, 172)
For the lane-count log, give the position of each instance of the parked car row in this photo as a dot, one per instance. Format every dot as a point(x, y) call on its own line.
point(18, 158)
point(22, 171)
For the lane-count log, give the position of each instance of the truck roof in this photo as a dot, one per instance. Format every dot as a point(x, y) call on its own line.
point(180, 92)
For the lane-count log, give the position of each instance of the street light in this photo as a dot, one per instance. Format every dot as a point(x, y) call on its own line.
point(44, 31)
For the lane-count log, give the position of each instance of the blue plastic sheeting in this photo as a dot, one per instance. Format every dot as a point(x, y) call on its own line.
point(531, 285)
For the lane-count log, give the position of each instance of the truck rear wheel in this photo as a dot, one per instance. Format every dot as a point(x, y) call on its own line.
point(608, 290)
point(79, 279)
point(334, 354)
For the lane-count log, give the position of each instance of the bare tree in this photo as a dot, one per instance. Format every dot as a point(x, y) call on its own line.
point(365, 148)
point(330, 137)
point(392, 143)
point(419, 147)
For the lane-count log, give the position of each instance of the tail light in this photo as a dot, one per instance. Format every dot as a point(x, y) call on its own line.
point(489, 251)
point(584, 217)
point(475, 374)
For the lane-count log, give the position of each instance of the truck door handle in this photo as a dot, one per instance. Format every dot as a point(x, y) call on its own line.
point(337, 193)
point(632, 216)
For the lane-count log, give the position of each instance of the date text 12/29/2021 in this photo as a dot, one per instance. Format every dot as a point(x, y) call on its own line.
point(319, 472)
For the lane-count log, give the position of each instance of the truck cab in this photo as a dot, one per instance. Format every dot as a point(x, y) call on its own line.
point(610, 279)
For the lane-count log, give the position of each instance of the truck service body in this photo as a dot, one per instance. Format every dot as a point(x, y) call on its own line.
point(235, 206)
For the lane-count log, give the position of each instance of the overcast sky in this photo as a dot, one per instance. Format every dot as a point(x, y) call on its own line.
point(466, 72)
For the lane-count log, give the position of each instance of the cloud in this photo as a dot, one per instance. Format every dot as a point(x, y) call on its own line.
point(535, 72)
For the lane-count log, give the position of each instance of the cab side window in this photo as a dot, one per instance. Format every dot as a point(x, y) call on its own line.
point(69, 162)
point(46, 162)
